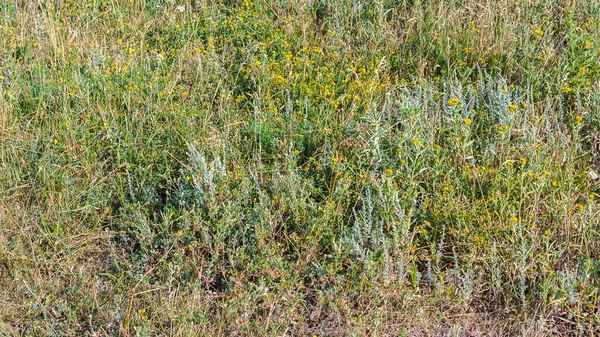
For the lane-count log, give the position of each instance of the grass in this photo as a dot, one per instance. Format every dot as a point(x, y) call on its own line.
point(299, 168)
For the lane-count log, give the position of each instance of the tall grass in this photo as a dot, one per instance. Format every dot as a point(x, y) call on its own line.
point(318, 167)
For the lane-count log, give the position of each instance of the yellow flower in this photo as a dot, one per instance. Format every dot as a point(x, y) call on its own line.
point(502, 128)
point(414, 141)
point(279, 79)
point(468, 121)
point(523, 161)
point(512, 107)
point(514, 219)
point(389, 171)
point(555, 184)
point(591, 196)
point(578, 118)
point(453, 101)
point(539, 32)
point(566, 90)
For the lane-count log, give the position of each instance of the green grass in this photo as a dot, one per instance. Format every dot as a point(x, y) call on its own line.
point(299, 168)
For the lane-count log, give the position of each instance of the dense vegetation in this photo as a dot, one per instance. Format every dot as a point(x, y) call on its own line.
point(299, 168)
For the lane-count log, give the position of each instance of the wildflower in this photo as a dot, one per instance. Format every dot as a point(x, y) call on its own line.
point(389, 171)
point(514, 219)
point(453, 101)
point(279, 79)
point(566, 90)
point(512, 107)
point(587, 44)
point(555, 184)
point(547, 232)
point(512, 86)
point(539, 32)
point(578, 118)
point(414, 141)
point(591, 21)
point(591, 196)
point(502, 128)
point(523, 161)
point(468, 121)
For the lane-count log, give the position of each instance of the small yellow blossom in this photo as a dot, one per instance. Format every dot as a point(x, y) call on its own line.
point(539, 32)
point(578, 118)
point(453, 101)
point(514, 219)
point(389, 171)
point(512, 107)
point(468, 121)
point(555, 184)
point(591, 196)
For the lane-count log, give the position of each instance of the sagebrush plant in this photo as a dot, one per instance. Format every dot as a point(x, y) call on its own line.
point(321, 167)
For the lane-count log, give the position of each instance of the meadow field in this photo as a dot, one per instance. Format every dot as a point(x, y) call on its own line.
point(299, 168)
